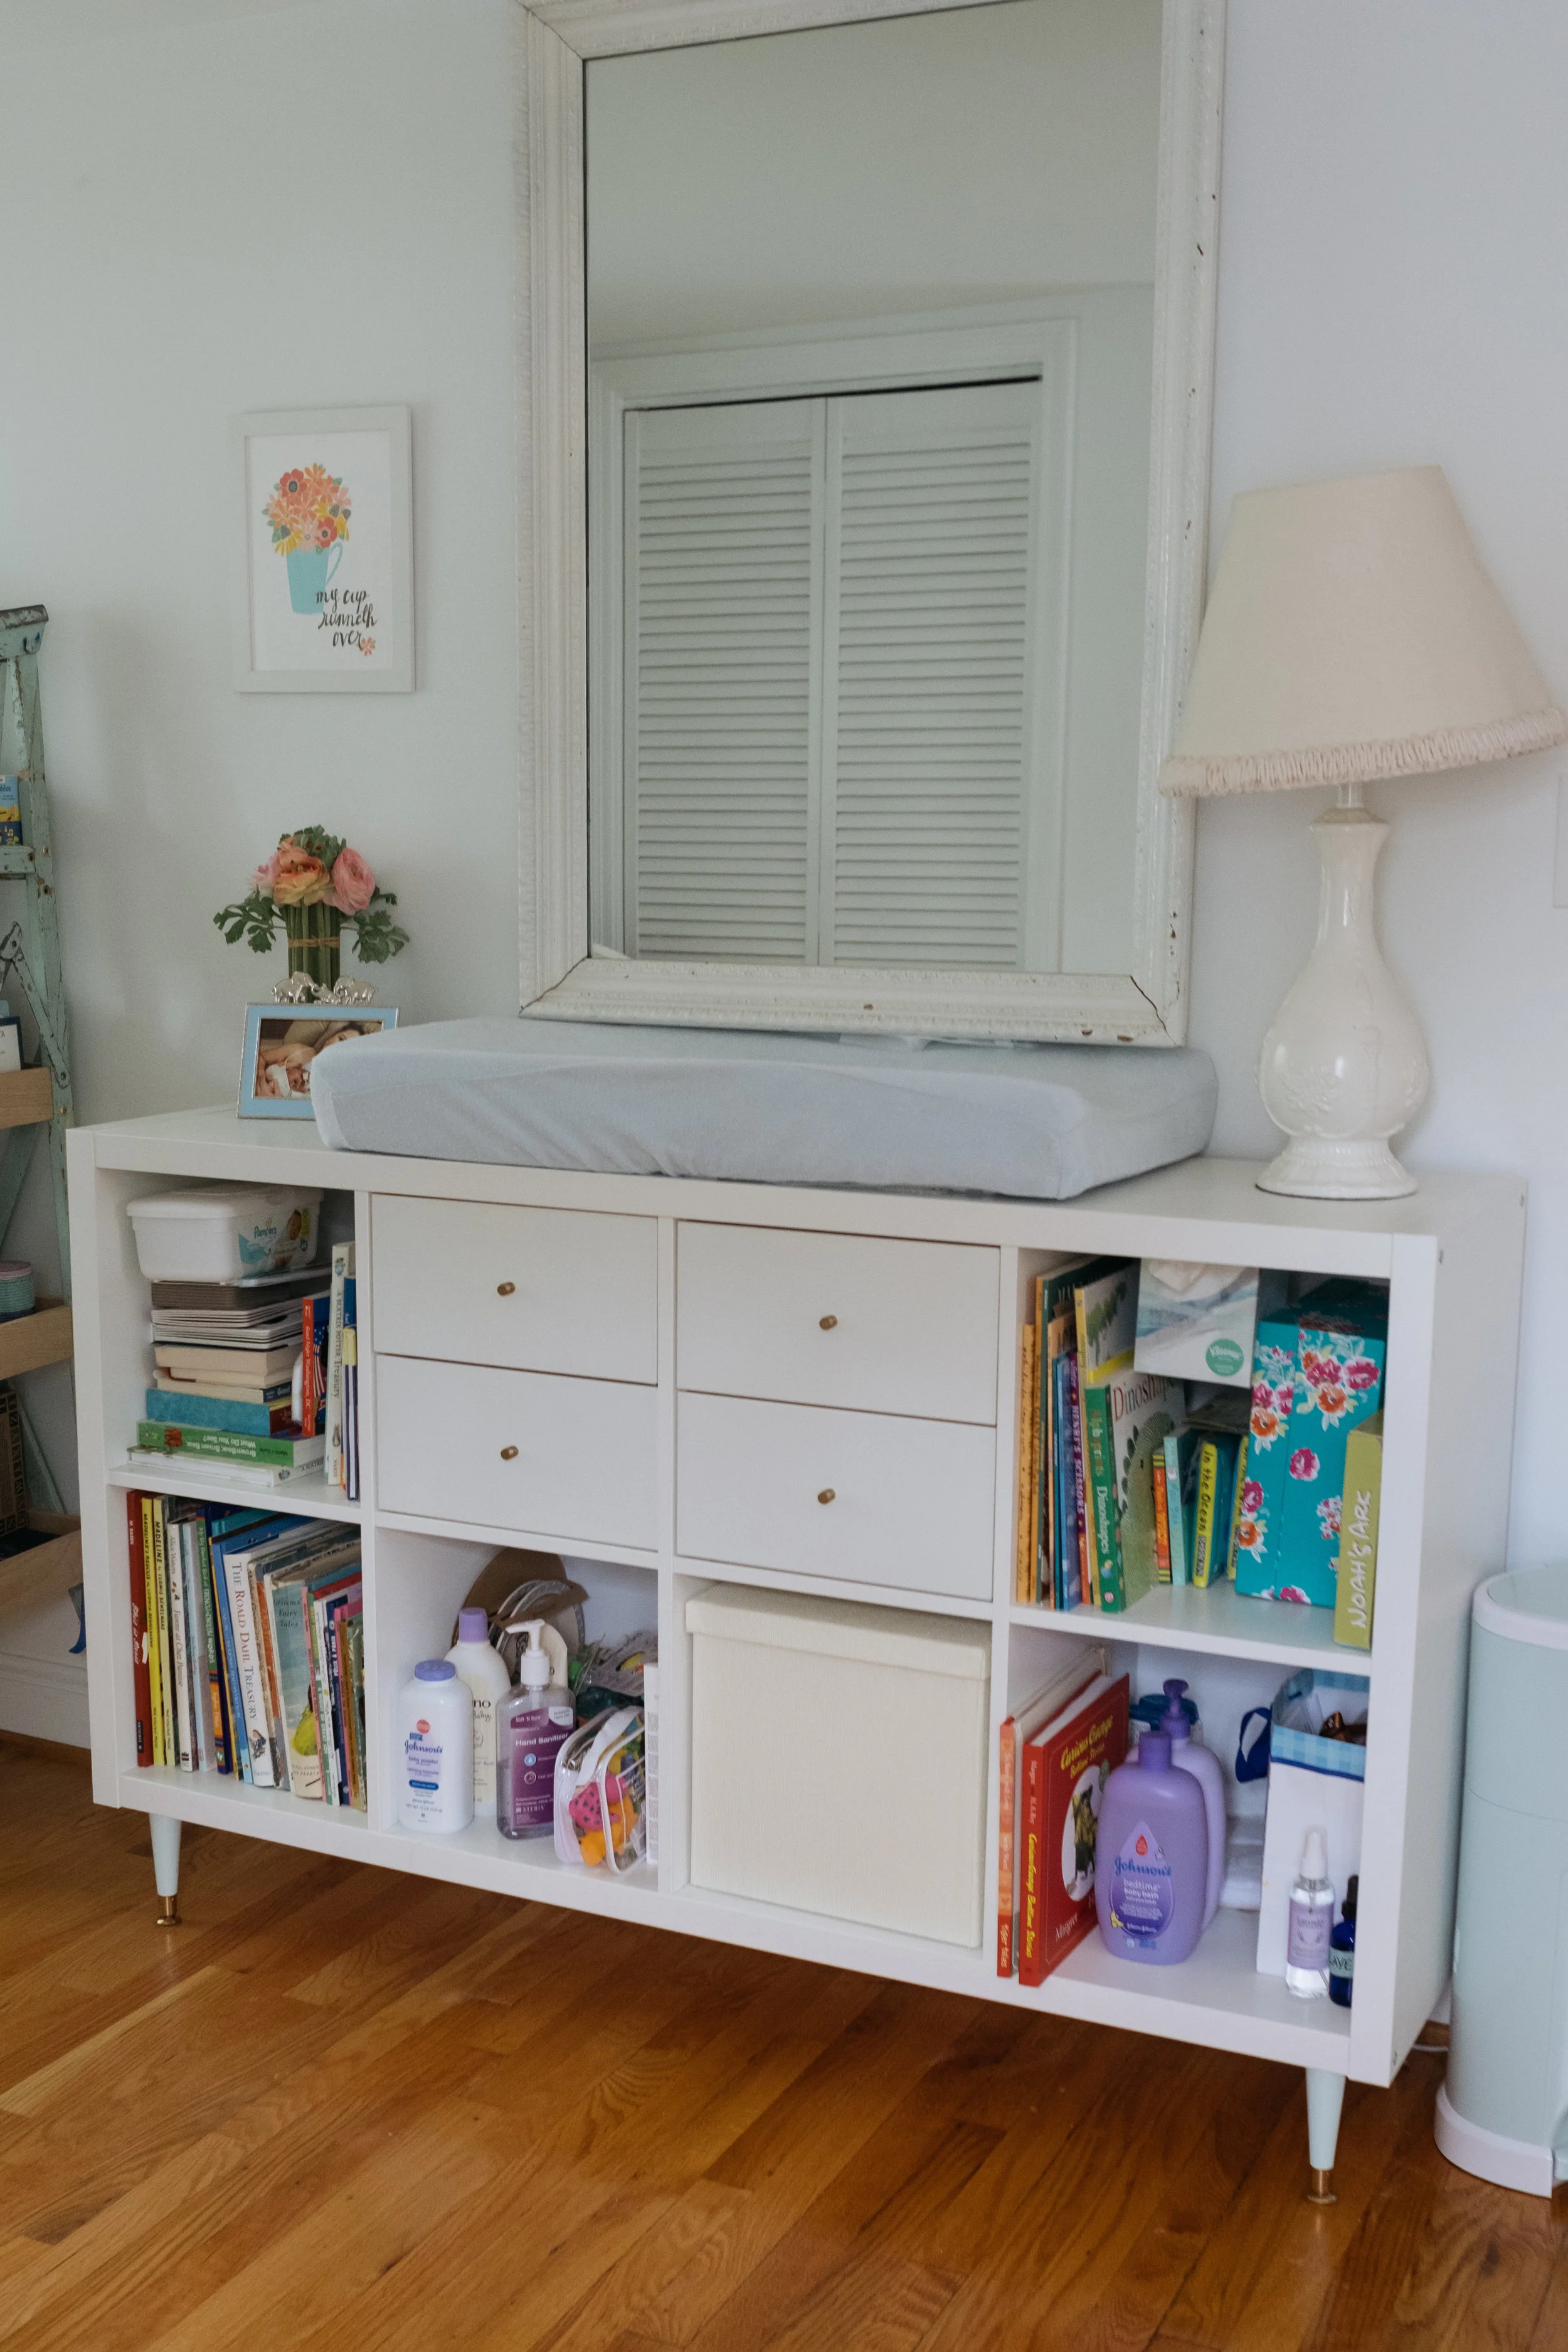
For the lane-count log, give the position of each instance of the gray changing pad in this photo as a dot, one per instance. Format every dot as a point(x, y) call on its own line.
point(1040, 1122)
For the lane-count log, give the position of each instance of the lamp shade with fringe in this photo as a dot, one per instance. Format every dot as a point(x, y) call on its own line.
point(1353, 632)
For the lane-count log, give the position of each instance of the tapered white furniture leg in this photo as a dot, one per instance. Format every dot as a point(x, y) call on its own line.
point(1325, 2097)
point(165, 1832)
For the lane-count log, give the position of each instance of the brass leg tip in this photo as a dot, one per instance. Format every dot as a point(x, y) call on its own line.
point(1321, 2189)
point(169, 1911)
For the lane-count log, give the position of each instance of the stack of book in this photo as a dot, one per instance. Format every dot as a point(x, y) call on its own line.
point(1129, 1478)
point(247, 1646)
point(1058, 1749)
point(1090, 1427)
point(223, 1385)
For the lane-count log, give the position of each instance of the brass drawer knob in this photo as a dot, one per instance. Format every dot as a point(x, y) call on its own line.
point(505, 1289)
point(825, 1496)
point(829, 1323)
point(508, 1453)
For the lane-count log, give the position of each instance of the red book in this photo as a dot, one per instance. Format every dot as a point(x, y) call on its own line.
point(141, 1671)
point(1065, 1767)
point(311, 1385)
point(1162, 1520)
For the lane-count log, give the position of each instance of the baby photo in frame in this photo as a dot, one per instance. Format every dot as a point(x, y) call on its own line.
point(281, 1043)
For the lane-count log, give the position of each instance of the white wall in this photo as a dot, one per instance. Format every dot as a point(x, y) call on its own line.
point(234, 207)
point(1393, 255)
point(980, 156)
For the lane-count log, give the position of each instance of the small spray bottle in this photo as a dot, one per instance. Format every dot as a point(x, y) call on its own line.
point(1311, 1924)
point(533, 1724)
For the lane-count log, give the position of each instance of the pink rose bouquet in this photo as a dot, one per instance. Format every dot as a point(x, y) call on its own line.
point(316, 885)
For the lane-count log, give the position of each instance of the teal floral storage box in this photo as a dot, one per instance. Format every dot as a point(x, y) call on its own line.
point(1317, 1374)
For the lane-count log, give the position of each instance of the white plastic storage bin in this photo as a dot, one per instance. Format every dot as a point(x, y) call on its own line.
point(214, 1233)
point(839, 1758)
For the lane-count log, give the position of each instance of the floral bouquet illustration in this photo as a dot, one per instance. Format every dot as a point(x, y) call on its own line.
point(308, 512)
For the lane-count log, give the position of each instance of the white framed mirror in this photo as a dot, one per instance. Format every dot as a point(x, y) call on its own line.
point(865, 357)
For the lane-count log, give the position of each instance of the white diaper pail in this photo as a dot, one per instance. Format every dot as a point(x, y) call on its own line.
point(1503, 2112)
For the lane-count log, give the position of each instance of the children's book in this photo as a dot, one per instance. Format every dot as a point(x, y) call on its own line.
point(298, 1453)
point(1055, 1325)
point(1105, 1309)
point(1144, 1411)
point(141, 1647)
point(1024, 1549)
point(1065, 1767)
point(1181, 1498)
point(1067, 1570)
point(1046, 1700)
point(343, 1266)
point(155, 1654)
point(1059, 1340)
point(194, 1412)
point(1217, 1456)
point(286, 1602)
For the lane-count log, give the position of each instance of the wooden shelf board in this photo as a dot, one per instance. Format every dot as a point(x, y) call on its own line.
point(1217, 1620)
point(1217, 1996)
point(310, 1497)
point(27, 1098)
point(46, 1570)
point(31, 1342)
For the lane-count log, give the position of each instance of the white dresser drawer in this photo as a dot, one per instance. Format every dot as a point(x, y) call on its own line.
point(547, 1290)
point(838, 1319)
point(912, 1502)
point(562, 1458)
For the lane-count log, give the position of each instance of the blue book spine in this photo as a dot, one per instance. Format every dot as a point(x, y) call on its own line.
point(1069, 1583)
point(212, 1412)
point(240, 1758)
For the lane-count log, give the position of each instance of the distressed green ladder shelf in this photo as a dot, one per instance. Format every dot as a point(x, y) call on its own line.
point(33, 1099)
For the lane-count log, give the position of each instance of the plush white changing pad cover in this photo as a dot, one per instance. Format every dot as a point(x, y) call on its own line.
point(1041, 1122)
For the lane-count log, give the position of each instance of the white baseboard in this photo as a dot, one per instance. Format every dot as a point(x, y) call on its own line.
point(45, 1698)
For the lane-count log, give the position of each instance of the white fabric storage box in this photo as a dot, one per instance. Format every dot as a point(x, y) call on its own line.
point(839, 1758)
point(222, 1233)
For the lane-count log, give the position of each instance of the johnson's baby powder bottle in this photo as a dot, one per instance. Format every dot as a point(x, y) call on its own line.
point(435, 1741)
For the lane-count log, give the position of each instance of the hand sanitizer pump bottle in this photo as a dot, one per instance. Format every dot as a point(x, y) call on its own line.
point(533, 1724)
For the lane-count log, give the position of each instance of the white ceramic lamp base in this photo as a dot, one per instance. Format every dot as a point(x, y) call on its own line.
point(1344, 1065)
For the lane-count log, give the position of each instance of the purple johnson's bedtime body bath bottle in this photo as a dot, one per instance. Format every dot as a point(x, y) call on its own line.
point(1188, 1755)
point(1150, 1874)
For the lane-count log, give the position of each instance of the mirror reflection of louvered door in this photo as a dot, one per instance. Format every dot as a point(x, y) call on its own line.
point(841, 679)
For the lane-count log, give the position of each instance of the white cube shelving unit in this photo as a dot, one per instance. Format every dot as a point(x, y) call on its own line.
point(1451, 1255)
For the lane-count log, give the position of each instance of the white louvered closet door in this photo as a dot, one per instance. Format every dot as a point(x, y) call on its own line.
point(939, 803)
point(842, 679)
point(723, 681)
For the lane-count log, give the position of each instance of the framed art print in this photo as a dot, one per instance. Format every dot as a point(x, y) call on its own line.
point(282, 1042)
point(326, 602)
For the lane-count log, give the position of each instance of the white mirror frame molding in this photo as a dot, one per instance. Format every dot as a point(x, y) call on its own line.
point(558, 976)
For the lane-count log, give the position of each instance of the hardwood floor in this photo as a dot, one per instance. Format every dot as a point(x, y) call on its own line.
point(343, 2109)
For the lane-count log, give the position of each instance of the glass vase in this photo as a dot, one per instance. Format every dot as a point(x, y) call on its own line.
point(315, 940)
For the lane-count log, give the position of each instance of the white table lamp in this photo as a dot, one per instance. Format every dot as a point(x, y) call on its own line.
point(1352, 633)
